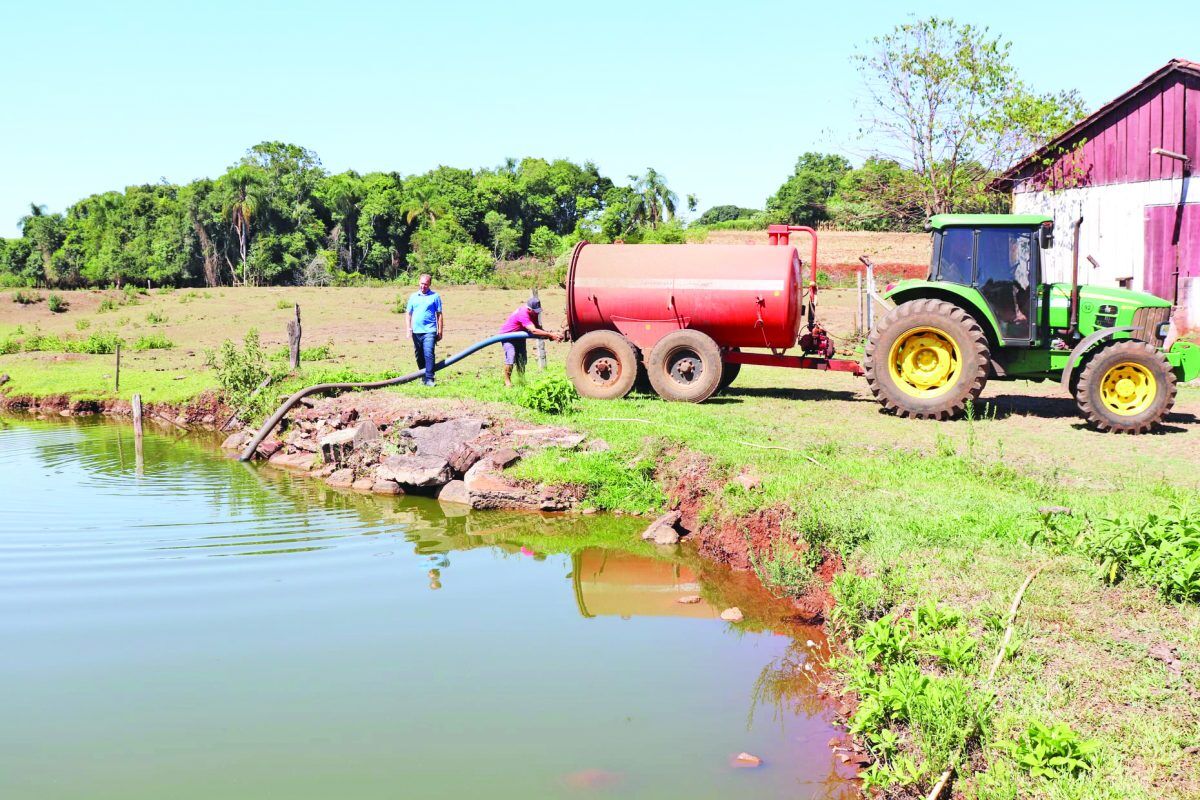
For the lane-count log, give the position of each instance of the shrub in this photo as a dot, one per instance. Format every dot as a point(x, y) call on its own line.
point(56, 303)
point(285, 304)
point(83, 324)
point(782, 570)
point(154, 341)
point(107, 304)
point(26, 298)
point(553, 394)
point(1162, 550)
point(99, 343)
point(132, 294)
point(322, 352)
point(154, 318)
point(239, 370)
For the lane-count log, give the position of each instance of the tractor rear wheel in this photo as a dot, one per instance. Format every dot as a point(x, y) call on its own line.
point(685, 366)
point(602, 365)
point(927, 359)
point(1128, 387)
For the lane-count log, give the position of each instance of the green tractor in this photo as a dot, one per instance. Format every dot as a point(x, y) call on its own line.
point(983, 313)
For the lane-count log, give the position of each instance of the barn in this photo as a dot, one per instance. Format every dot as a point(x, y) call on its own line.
point(1126, 171)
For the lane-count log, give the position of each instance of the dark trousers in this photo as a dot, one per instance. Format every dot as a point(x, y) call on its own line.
point(423, 344)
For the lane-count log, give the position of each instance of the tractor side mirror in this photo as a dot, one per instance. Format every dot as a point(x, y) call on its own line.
point(1046, 235)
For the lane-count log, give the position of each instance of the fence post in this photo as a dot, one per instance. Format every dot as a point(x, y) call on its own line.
point(139, 461)
point(858, 309)
point(293, 332)
point(117, 381)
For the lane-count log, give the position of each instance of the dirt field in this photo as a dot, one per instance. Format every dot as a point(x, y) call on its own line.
point(842, 248)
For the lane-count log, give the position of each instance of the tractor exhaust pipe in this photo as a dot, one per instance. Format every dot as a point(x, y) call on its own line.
point(1075, 278)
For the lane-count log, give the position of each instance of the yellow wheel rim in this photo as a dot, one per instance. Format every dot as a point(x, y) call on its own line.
point(1128, 388)
point(925, 362)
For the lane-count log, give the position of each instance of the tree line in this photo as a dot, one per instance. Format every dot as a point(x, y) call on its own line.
point(948, 107)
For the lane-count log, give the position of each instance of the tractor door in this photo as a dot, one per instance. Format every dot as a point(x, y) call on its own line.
point(1007, 270)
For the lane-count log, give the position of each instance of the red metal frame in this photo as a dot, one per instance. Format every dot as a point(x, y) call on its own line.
point(794, 362)
point(780, 234)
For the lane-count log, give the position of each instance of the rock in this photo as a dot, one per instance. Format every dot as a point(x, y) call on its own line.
point(269, 448)
point(208, 419)
point(337, 446)
point(505, 457)
point(341, 478)
point(323, 470)
point(296, 461)
point(348, 416)
point(487, 488)
point(300, 440)
point(181, 419)
point(548, 437)
point(598, 446)
point(690, 599)
point(748, 481)
point(4, 378)
point(386, 487)
point(455, 492)
point(363, 484)
point(746, 760)
point(662, 530)
point(732, 614)
point(417, 471)
point(464, 456)
point(443, 438)
point(235, 441)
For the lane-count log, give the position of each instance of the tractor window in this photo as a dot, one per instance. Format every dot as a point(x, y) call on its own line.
point(1004, 267)
point(954, 264)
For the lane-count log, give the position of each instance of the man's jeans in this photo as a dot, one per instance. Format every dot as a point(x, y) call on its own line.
point(423, 344)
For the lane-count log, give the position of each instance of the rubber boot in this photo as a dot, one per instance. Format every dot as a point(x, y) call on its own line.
point(508, 375)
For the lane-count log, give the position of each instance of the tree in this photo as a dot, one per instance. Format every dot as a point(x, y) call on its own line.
point(343, 195)
point(423, 205)
point(504, 237)
point(724, 214)
point(947, 105)
point(244, 194)
point(803, 197)
point(653, 198)
point(878, 196)
point(45, 232)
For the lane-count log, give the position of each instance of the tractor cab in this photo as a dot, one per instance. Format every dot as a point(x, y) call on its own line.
point(998, 255)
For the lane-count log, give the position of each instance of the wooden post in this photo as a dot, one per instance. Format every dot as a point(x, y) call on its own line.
point(858, 310)
point(117, 381)
point(137, 416)
point(293, 332)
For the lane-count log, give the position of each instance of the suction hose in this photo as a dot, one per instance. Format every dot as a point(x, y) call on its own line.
point(270, 425)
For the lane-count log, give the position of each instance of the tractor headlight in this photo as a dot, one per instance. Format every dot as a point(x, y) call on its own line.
point(1161, 330)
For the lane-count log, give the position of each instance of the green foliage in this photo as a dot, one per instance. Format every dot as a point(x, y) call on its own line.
point(83, 324)
point(803, 197)
point(26, 298)
point(321, 352)
point(782, 570)
point(886, 640)
point(931, 617)
point(99, 343)
point(1052, 752)
point(553, 394)
point(285, 304)
point(155, 318)
point(725, 214)
point(1161, 550)
point(239, 371)
point(153, 341)
point(132, 295)
point(107, 304)
point(958, 651)
point(858, 600)
point(56, 303)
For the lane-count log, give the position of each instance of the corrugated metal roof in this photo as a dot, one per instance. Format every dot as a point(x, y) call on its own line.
point(1174, 65)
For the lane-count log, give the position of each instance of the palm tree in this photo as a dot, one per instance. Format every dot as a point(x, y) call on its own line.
point(422, 203)
point(343, 195)
point(653, 198)
point(246, 188)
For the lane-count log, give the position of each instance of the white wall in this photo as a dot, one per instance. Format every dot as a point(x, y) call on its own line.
point(1113, 227)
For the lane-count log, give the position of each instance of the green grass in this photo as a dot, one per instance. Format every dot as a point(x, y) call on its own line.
point(91, 378)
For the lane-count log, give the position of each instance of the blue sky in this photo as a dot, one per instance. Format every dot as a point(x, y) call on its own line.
point(720, 97)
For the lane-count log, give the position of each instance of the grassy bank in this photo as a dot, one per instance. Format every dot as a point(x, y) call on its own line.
point(941, 516)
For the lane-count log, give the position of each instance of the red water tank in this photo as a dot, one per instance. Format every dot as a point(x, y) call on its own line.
point(740, 295)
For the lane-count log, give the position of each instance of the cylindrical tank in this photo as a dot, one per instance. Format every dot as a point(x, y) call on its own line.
point(740, 295)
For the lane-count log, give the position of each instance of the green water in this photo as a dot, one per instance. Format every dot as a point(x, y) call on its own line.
point(179, 625)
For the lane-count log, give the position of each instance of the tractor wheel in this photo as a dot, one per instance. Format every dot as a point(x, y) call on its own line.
point(927, 359)
point(1128, 387)
point(685, 366)
point(729, 372)
point(602, 365)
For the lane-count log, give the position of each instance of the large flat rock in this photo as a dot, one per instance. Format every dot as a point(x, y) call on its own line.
point(442, 438)
point(416, 471)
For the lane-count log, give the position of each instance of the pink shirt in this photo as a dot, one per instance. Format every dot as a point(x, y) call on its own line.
point(520, 320)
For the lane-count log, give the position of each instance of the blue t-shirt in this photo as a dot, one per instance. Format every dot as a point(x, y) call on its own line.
point(424, 309)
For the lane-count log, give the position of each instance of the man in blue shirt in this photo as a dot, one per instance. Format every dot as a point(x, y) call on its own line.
point(423, 319)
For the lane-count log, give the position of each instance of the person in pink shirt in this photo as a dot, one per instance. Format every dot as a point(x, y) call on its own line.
point(525, 318)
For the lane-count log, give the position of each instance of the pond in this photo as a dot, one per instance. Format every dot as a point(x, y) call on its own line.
point(178, 624)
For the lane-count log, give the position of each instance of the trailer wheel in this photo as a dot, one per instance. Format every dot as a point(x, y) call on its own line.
point(927, 359)
point(685, 366)
point(729, 372)
point(1128, 387)
point(603, 365)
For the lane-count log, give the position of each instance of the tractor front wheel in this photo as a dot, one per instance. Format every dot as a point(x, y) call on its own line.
point(1128, 387)
point(927, 359)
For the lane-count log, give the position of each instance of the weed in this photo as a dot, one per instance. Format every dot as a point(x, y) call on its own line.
point(857, 601)
point(83, 324)
point(284, 304)
point(1162, 550)
point(107, 304)
point(1051, 752)
point(553, 394)
point(610, 481)
point(322, 352)
point(957, 651)
point(56, 303)
point(782, 570)
point(154, 341)
point(239, 370)
point(132, 295)
point(26, 298)
point(154, 318)
point(932, 618)
point(886, 640)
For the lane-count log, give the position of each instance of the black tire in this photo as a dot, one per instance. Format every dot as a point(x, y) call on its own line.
point(685, 366)
point(1104, 404)
point(603, 365)
point(927, 329)
point(729, 372)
